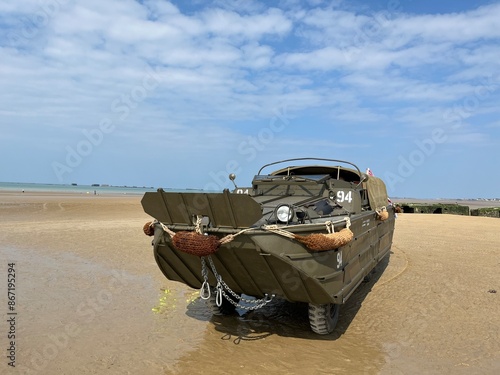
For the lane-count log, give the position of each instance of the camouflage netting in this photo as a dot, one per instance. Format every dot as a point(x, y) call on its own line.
point(195, 243)
point(330, 241)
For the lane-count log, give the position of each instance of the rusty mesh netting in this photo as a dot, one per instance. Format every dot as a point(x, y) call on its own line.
point(195, 243)
point(149, 229)
point(330, 241)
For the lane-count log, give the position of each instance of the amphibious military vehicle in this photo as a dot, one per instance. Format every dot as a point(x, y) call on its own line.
point(304, 233)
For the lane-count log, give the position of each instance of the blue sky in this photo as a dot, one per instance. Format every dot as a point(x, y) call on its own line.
point(178, 94)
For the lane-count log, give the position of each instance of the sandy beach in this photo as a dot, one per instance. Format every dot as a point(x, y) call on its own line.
point(90, 299)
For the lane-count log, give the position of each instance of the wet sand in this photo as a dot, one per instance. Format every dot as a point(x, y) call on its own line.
point(91, 300)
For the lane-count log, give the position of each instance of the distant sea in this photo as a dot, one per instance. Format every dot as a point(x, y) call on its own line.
point(82, 189)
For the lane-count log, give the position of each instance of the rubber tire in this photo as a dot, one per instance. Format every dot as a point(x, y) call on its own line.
point(227, 308)
point(323, 318)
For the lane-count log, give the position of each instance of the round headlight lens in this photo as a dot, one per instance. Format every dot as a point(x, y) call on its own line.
point(284, 213)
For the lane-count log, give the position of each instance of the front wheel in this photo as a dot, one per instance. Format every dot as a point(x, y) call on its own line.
point(323, 318)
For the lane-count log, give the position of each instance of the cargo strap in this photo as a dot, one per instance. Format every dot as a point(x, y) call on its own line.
point(222, 290)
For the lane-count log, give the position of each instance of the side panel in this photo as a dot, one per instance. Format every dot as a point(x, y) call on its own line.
point(256, 264)
point(245, 272)
point(223, 209)
point(372, 242)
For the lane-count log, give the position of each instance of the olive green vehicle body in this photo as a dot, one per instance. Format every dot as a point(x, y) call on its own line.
point(260, 262)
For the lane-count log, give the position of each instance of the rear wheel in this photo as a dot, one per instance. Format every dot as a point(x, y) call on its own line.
point(323, 318)
point(227, 308)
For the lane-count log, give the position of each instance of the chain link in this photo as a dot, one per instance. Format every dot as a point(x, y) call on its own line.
point(263, 301)
point(222, 290)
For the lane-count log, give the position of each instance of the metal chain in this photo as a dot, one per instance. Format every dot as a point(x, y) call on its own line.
point(226, 287)
point(222, 288)
point(264, 302)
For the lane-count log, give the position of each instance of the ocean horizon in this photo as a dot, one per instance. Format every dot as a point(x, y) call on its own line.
point(74, 188)
point(99, 189)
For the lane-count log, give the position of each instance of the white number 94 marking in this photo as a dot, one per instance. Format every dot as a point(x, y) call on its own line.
point(343, 196)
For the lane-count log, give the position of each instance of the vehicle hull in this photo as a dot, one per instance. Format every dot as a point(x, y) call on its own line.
point(259, 262)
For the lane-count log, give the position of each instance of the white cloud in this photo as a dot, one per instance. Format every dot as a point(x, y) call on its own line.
point(478, 24)
point(223, 65)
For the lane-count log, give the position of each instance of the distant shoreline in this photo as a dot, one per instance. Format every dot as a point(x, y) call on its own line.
point(109, 192)
point(35, 188)
point(472, 203)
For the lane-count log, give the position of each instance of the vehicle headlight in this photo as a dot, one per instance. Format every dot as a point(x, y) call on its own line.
point(284, 213)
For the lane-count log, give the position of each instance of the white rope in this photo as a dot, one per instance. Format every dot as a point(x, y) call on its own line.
point(197, 225)
point(330, 227)
point(278, 230)
point(226, 239)
point(347, 222)
point(171, 233)
point(223, 240)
